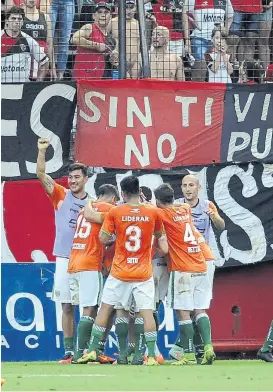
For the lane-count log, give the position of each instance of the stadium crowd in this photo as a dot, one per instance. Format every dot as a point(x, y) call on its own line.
point(199, 40)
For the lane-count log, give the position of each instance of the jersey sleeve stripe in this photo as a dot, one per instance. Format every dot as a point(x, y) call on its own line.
point(106, 232)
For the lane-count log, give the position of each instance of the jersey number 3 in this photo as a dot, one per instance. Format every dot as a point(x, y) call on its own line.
point(134, 243)
point(83, 228)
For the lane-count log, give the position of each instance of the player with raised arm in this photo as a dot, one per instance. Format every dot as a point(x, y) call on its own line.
point(85, 265)
point(134, 225)
point(189, 286)
point(67, 204)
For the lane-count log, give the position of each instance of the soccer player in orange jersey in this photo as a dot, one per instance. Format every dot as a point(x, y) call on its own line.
point(134, 225)
point(189, 286)
point(206, 219)
point(85, 265)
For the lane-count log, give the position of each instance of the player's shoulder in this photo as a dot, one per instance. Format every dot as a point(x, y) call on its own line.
point(149, 206)
point(103, 206)
point(61, 189)
point(182, 208)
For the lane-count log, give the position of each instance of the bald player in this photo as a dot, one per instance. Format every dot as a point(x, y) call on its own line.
point(204, 215)
point(163, 64)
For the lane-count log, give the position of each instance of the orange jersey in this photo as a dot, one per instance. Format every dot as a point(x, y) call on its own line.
point(207, 252)
point(87, 250)
point(58, 195)
point(134, 227)
point(184, 250)
point(109, 256)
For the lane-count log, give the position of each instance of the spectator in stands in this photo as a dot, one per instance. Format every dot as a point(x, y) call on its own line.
point(17, 48)
point(206, 16)
point(172, 14)
point(38, 25)
point(265, 25)
point(251, 72)
point(64, 10)
point(94, 46)
point(217, 59)
point(164, 64)
point(132, 38)
point(87, 9)
point(42, 5)
point(245, 28)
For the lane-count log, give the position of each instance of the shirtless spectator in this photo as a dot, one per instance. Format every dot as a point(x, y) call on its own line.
point(132, 38)
point(94, 46)
point(244, 30)
point(38, 25)
point(206, 16)
point(164, 64)
point(172, 14)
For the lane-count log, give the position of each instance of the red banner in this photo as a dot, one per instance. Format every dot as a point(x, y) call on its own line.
point(147, 124)
point(28, 230)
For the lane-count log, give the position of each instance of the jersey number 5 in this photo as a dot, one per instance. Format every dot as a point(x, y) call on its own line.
point(134, 243)
point(83, 228)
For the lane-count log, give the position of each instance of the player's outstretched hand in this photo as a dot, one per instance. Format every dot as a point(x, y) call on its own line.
point(211, 213)
point(43, 144)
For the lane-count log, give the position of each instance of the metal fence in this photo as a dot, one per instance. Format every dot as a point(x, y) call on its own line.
point(197, 40)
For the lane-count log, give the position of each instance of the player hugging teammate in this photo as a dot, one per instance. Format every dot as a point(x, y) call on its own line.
point(157, 252)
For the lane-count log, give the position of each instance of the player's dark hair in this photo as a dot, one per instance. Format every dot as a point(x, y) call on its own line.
point(15, 10)
point(147, 193)
point(164, 194)
point(108, 190)
point(130, 186)
point(78, 166)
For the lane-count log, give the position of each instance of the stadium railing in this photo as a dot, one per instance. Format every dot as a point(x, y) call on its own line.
point(195, 40)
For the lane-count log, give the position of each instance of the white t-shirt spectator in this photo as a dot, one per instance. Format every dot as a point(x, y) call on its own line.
point(221, 75)
point(208, 14)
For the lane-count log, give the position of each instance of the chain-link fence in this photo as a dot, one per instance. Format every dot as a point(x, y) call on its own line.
point(196, 40)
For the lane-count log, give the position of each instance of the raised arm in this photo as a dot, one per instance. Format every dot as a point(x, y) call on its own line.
point(47, 182)
point(92, 215)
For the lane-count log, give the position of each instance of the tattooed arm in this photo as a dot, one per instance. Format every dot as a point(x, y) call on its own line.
point(47, 182)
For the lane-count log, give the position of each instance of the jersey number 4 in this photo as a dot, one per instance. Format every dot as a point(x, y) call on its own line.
point(83, 228)
point(134, 237)
point(189, 236)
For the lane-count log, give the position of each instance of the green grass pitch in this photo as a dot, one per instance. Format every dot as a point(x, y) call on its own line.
point(237, 375)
